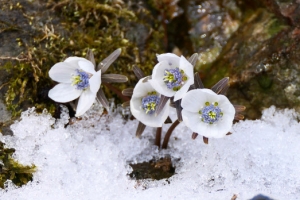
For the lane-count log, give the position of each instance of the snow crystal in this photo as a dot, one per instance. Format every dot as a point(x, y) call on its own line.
point(89, 159)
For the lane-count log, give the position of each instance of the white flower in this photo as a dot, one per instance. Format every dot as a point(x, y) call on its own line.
point(77, 78)
point(207, 113)
point(143, 105)
point(172, 75)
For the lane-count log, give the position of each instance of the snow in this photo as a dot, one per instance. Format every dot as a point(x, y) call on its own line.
point(90, 159)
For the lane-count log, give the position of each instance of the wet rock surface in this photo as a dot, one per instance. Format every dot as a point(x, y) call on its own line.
point(255, 43)
point(20, 22)
point(262, 60)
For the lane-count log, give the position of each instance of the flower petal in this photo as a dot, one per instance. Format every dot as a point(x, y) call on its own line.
point(141, 90)
point(157, 81)
point(148, 120)
point(220, 129)
point(158, 71)
point(192, 103)
point(183, 90)
point(62, 72)
point(64, 92)
point(226, 107)
point(87, 66)
point(95, 82)
point(187, 67)
point(161, 88)
point(193, 121)
point(172, 59)
point(74, 58)
point(86, 100)
point(194, 100)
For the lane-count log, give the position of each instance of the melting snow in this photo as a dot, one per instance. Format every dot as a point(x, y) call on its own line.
point(89, 159)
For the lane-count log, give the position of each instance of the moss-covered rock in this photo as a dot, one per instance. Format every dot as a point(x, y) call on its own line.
point(253, 42)
point(12, 170)
point(54, 30)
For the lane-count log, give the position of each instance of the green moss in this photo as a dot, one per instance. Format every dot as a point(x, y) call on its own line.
point(12, 170)
point(275, 26)
point(97, 25)
point(264, 81)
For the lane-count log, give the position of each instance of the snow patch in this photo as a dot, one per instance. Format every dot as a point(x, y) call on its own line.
point(89, 159)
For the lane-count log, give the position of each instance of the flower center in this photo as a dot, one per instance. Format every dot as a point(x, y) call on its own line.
point(81, 80)
point(174, 78)
point(211, 113)
point(150, 102)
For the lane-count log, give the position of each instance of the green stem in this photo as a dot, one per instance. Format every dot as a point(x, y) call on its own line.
point(169, 133)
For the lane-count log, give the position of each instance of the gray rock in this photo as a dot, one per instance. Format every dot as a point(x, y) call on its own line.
point(4, 114)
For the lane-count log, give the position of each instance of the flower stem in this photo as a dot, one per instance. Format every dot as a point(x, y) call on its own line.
point(158, 137)
point(194, 135)
point(117, 91)
point(169, 133)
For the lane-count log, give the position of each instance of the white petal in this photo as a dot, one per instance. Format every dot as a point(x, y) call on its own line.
point(187, 67)
point(158, 71)
point(141, 90)
point(226, 107)
point(209, 91)
point(64, 92)
point(95, 82)
point(193, 121)
point(136, 104)
point(161, 88)
point(87, 66)
point(157, 81)
point(74, 58)
point(195, 100)
point(148, 120)
point(155, 121)
point(172, 59)
point(220, 129)
point(180, 93)
point(62, 72)
point(86, 100)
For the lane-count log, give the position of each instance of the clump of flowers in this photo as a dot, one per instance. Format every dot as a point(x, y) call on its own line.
point(81, 78)
point(207, 112)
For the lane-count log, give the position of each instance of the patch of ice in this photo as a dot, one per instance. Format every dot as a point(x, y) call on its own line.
point(89, 159)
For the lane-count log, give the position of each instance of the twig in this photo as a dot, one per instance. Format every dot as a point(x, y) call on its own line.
point(4, 84)
point(12, 58)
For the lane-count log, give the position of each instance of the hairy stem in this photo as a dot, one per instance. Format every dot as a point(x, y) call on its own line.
point(169, 133)
point(117, 91)
point(158, 137)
